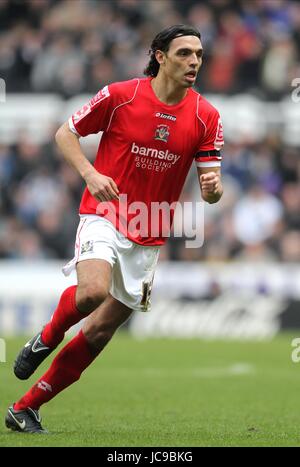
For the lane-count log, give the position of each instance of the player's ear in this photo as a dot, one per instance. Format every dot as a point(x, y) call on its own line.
point(160, 57)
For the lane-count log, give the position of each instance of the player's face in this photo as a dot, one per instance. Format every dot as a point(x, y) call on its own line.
point(183, 60)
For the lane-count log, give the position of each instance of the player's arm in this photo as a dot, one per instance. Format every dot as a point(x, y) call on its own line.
point(208, 157)
point(100, 186)
point(210, 183)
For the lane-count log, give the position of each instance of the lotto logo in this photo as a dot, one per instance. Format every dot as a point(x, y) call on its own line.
point(44, 386)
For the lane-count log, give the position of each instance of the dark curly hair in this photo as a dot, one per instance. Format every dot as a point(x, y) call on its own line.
point(162, 41)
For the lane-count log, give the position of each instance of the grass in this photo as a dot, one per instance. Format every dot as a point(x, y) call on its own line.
point(172, 393)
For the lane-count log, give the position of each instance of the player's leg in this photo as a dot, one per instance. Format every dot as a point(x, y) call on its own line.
point(101, 325)
point(94, 278)
point(76, 302)
point(69, 364)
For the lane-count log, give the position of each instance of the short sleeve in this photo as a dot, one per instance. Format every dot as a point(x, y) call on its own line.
point(93, 116)
point(209, 150)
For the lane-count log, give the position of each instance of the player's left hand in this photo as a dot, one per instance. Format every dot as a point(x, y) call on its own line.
point(210, 183)
point(211, 187)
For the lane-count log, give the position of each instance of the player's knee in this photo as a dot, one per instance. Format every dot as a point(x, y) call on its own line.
point(90, 297)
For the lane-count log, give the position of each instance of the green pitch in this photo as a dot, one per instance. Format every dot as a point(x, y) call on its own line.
point(170, 393)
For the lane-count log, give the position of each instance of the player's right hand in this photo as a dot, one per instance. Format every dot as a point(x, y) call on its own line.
point(101, 187)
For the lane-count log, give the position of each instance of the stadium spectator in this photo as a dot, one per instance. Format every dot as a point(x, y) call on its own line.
point(256, 216)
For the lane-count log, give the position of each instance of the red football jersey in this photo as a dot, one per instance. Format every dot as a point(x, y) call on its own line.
point(147, 148)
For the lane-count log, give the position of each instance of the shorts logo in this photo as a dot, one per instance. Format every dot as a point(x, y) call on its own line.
point(162, 133)
point(146, 293)
point(87, 247)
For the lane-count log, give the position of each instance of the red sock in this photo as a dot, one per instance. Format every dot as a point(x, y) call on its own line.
point(66, 368)
point(65, 316)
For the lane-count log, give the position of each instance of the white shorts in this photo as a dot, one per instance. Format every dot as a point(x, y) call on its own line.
point(133, 265)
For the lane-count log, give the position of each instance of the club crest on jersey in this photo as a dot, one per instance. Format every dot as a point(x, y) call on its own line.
point(162, 133)
point(87, 247)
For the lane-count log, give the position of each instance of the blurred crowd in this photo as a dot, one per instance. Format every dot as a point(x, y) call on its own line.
point(77, 46)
